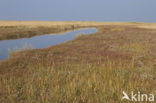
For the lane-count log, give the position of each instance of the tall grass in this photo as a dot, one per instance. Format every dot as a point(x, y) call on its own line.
point(72, 83)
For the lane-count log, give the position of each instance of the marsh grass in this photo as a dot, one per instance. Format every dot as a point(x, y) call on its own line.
point(18, 49)
point(84, 70)
point(75, 83)
point(79, 35)
point(117, 29)
point(72, 84)
point(23, 29)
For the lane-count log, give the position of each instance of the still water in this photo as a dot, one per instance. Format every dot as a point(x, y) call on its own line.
point(42, 41)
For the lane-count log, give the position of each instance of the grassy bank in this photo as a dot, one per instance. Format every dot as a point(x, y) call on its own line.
point(24, 30)
point(90, 69)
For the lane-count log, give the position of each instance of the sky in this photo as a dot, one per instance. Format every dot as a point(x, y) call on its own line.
point(79, 10)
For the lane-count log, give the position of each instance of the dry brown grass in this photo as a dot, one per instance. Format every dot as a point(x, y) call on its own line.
point(84, 23)
point(45, 23)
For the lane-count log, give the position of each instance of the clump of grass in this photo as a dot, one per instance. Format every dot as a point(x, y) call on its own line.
point(79, 35)
point(117, 29)
point(135, 47)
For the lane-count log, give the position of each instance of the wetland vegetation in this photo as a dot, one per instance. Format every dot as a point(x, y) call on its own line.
point(92, 68)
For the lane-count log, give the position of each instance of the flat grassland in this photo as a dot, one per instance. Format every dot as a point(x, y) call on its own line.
point(26, 29)
point(92, 68)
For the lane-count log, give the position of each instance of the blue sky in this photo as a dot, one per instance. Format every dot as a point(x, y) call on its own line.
point(79, 10)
